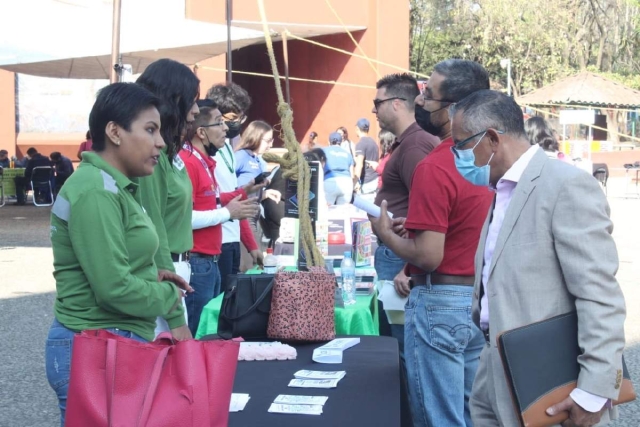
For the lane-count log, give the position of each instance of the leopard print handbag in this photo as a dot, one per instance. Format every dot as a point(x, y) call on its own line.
point(302, 306)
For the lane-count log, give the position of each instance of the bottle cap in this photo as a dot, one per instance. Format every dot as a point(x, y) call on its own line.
point(347, 254)
point(269, 250)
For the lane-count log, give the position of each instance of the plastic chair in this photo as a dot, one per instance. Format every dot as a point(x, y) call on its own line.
point(41, 181)
point(602, 175)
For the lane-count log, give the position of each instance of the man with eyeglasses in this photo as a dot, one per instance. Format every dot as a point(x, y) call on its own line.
point(211, 208)
point(545, 250)
point(445, 216)
point(232, 102)
point(394, 110)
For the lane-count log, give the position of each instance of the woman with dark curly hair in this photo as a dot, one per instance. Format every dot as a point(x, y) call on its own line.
point(167, 193)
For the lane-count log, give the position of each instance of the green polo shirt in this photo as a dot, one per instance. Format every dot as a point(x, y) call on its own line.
point(103, 248)
point(166, 195)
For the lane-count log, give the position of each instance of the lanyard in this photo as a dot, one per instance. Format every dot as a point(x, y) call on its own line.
point(226, 162)
point(206, 167)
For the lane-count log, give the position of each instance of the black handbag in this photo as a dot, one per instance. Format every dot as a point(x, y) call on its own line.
point(246, 306)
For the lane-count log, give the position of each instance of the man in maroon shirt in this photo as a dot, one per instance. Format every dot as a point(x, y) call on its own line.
point(394, 108)
point(445, 217)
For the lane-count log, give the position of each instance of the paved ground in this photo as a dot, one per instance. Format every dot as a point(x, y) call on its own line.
point(27, 293)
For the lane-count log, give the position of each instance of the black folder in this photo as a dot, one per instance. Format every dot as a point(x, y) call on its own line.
point(540, 362)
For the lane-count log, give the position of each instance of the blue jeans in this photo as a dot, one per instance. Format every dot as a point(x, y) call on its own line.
point(205, 281)
point(57, 356)
point(388, 265)
point(442, 350)
point(229, 262)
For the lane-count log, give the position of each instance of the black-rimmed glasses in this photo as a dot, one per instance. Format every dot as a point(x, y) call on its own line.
point(213, 125)
point(377, 102)
point(458, 145)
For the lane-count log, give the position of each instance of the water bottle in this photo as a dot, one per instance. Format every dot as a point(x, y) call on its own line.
point(270, 262)
point(348, 273)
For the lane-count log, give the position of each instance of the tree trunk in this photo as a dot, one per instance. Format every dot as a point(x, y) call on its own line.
point(612, 126)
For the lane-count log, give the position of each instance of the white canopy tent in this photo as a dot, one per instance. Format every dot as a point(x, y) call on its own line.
point(67, 41)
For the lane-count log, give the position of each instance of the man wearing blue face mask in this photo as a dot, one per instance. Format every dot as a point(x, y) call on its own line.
point(545, 250)
point(442, 345)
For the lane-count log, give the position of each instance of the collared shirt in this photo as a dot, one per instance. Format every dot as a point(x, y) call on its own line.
point(206, 197)
point(410, 148)
point(166, 195)
point(103, 248)
point(442, 201)
point(504, 193)
point(225, 174)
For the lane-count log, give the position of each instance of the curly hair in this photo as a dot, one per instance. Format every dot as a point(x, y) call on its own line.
point(230, 98)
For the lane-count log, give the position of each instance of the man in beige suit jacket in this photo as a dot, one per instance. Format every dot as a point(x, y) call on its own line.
point(545, 249)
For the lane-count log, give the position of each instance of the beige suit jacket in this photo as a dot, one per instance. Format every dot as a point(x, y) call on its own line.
point(555, 254)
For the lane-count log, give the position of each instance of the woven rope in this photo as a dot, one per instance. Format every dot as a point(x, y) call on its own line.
point(293, 165)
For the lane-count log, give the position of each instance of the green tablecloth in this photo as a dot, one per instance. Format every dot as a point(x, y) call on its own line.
point(7, 180)
point(358, 319)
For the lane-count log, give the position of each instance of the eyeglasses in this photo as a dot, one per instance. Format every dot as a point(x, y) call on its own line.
point(377, 102)
point(213, 124)
point(457, 146)
point(240, 119)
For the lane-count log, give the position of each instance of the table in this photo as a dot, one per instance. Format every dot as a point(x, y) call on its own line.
point(358, 319)
point(7, 180)
point(369, 395)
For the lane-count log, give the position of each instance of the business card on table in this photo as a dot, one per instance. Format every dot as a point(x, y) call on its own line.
point(327, 356)
point(313, 383)
point(238, 401)
point(340, 344)
point(301, 400)
point(320, 375)
point(296, 409)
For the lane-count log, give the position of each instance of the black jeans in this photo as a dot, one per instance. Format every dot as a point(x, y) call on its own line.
point(229, 262)
point(21, 189)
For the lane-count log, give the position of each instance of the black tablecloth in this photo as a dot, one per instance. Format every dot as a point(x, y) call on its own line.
point(369, 395)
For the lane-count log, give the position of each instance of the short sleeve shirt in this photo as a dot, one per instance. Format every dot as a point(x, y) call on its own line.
point(441, 200)
point(411, 147)
point(368, 148)
point(338, 162)
point(248, 166)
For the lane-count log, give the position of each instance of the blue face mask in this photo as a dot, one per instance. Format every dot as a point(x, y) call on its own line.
point(465, 163)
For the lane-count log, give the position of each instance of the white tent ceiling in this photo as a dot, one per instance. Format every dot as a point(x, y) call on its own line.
point(63, 40)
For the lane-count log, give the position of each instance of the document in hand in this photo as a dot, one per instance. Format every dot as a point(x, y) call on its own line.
point(540, 362)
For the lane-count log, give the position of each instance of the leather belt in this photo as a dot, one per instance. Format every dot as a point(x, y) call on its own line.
point(180, 257)
point(213, 258)
point(441, 279)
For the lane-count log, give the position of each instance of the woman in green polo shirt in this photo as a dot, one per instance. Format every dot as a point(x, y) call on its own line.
point(103, 241)
point(167, 193)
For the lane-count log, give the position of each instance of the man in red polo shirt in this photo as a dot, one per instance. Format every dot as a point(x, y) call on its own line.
point(446, 214)
point(207, 134)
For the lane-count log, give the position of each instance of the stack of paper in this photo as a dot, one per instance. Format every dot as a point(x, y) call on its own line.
point(238, 401)
point(307, 405)
point(331, 352)
point(320, 375)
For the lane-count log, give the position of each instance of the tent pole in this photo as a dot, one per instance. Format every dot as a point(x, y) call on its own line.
point(229, 51)
point(285, 51)
point(115, 42)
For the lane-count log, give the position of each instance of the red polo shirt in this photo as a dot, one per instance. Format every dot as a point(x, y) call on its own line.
point(441, 200)
point(206, 240)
